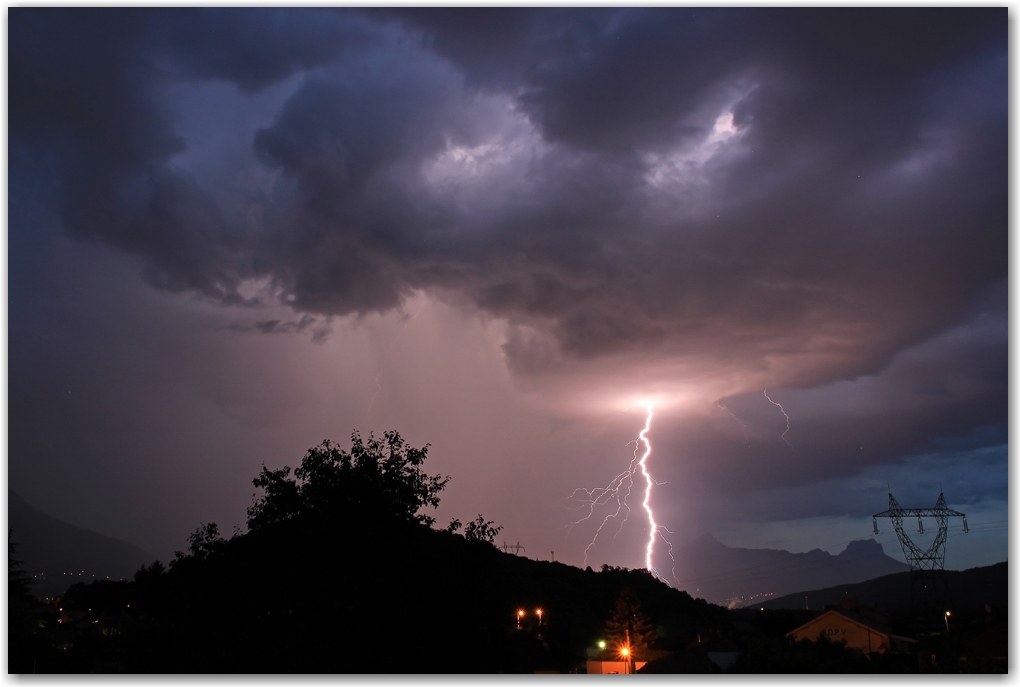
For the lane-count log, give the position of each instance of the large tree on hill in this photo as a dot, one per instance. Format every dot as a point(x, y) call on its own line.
point(380, 476)
point(629, 627)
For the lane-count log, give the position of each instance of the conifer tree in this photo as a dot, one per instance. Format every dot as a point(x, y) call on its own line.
point(627, 619)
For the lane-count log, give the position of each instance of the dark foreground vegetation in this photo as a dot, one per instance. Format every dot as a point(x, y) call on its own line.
point(341, 571)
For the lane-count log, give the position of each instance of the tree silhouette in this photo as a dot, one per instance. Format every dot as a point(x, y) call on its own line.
point(201, 543)
point(377, 477)
point(481, 530)
point(18, 583)
point(23, 621)
point(628, 626)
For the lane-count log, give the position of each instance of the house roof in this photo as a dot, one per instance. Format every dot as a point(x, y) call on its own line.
point(849, 617)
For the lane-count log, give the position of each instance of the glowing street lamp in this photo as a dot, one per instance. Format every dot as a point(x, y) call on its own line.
point(625, 654)
point(947, 620)
point(539, 612)
point(602, 644)
point(520, 614)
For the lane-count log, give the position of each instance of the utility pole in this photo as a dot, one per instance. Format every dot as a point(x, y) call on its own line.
point(630, 655)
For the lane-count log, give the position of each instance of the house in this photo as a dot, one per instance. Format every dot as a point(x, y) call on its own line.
point(858, 626)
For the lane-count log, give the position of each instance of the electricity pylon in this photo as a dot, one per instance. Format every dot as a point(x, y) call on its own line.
point(929, 587)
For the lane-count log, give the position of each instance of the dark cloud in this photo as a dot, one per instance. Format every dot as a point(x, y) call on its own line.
point(85, 101)
point(319, 327)
point(624, 223)
point(663, 180)
point(252, 47)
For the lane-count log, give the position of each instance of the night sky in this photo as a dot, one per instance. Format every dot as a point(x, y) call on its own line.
point(235, 233)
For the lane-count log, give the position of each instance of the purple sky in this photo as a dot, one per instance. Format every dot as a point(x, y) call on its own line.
point(236, 233)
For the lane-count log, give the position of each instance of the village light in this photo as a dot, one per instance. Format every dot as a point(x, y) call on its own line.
point(539, 612)
point(625, 655)
point(602, 644)
point(520, 614)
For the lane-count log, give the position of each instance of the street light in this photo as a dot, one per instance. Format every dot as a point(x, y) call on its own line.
point(520, 614)
point(602, 644)
point(539, 611)
point(947, 620)
point(625, 653)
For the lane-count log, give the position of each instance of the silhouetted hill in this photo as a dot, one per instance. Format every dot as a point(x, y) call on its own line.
point(974, 587)
point(359, 594)
point(737, 577)
point(57, 554)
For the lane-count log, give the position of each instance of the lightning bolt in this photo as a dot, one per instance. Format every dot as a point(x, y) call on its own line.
point(614, 492)
point(783, 437)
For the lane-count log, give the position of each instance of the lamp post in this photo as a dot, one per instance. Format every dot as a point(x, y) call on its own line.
point(628, 654)
point(539, 612)
point(947, 620)
point(520, 614)
point(625, 654)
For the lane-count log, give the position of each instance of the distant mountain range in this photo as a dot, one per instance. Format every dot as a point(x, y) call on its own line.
point(973, 587)
point(57, 554)
point(736, 577)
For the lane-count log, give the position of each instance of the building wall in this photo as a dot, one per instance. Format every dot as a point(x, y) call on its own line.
point(605, 667)
point(838, 628)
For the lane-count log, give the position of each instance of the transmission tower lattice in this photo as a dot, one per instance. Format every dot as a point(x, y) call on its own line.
point(928, 584)
point(516, 548)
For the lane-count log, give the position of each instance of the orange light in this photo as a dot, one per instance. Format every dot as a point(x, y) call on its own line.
point(539, 611)
point(625, 651)
point(520, 614)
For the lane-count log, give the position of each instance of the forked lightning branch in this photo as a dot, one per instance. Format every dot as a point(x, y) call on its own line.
point(614, 496)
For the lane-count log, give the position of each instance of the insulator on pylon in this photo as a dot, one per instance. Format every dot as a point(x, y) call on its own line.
point(874, 523)
point(920, 526)
point(966, 530)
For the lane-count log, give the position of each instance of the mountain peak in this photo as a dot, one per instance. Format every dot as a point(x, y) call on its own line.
point(863, 547)
point(707, 540)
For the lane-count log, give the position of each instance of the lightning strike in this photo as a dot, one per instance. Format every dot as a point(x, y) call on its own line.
point(590, 499)
point(783, 437)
